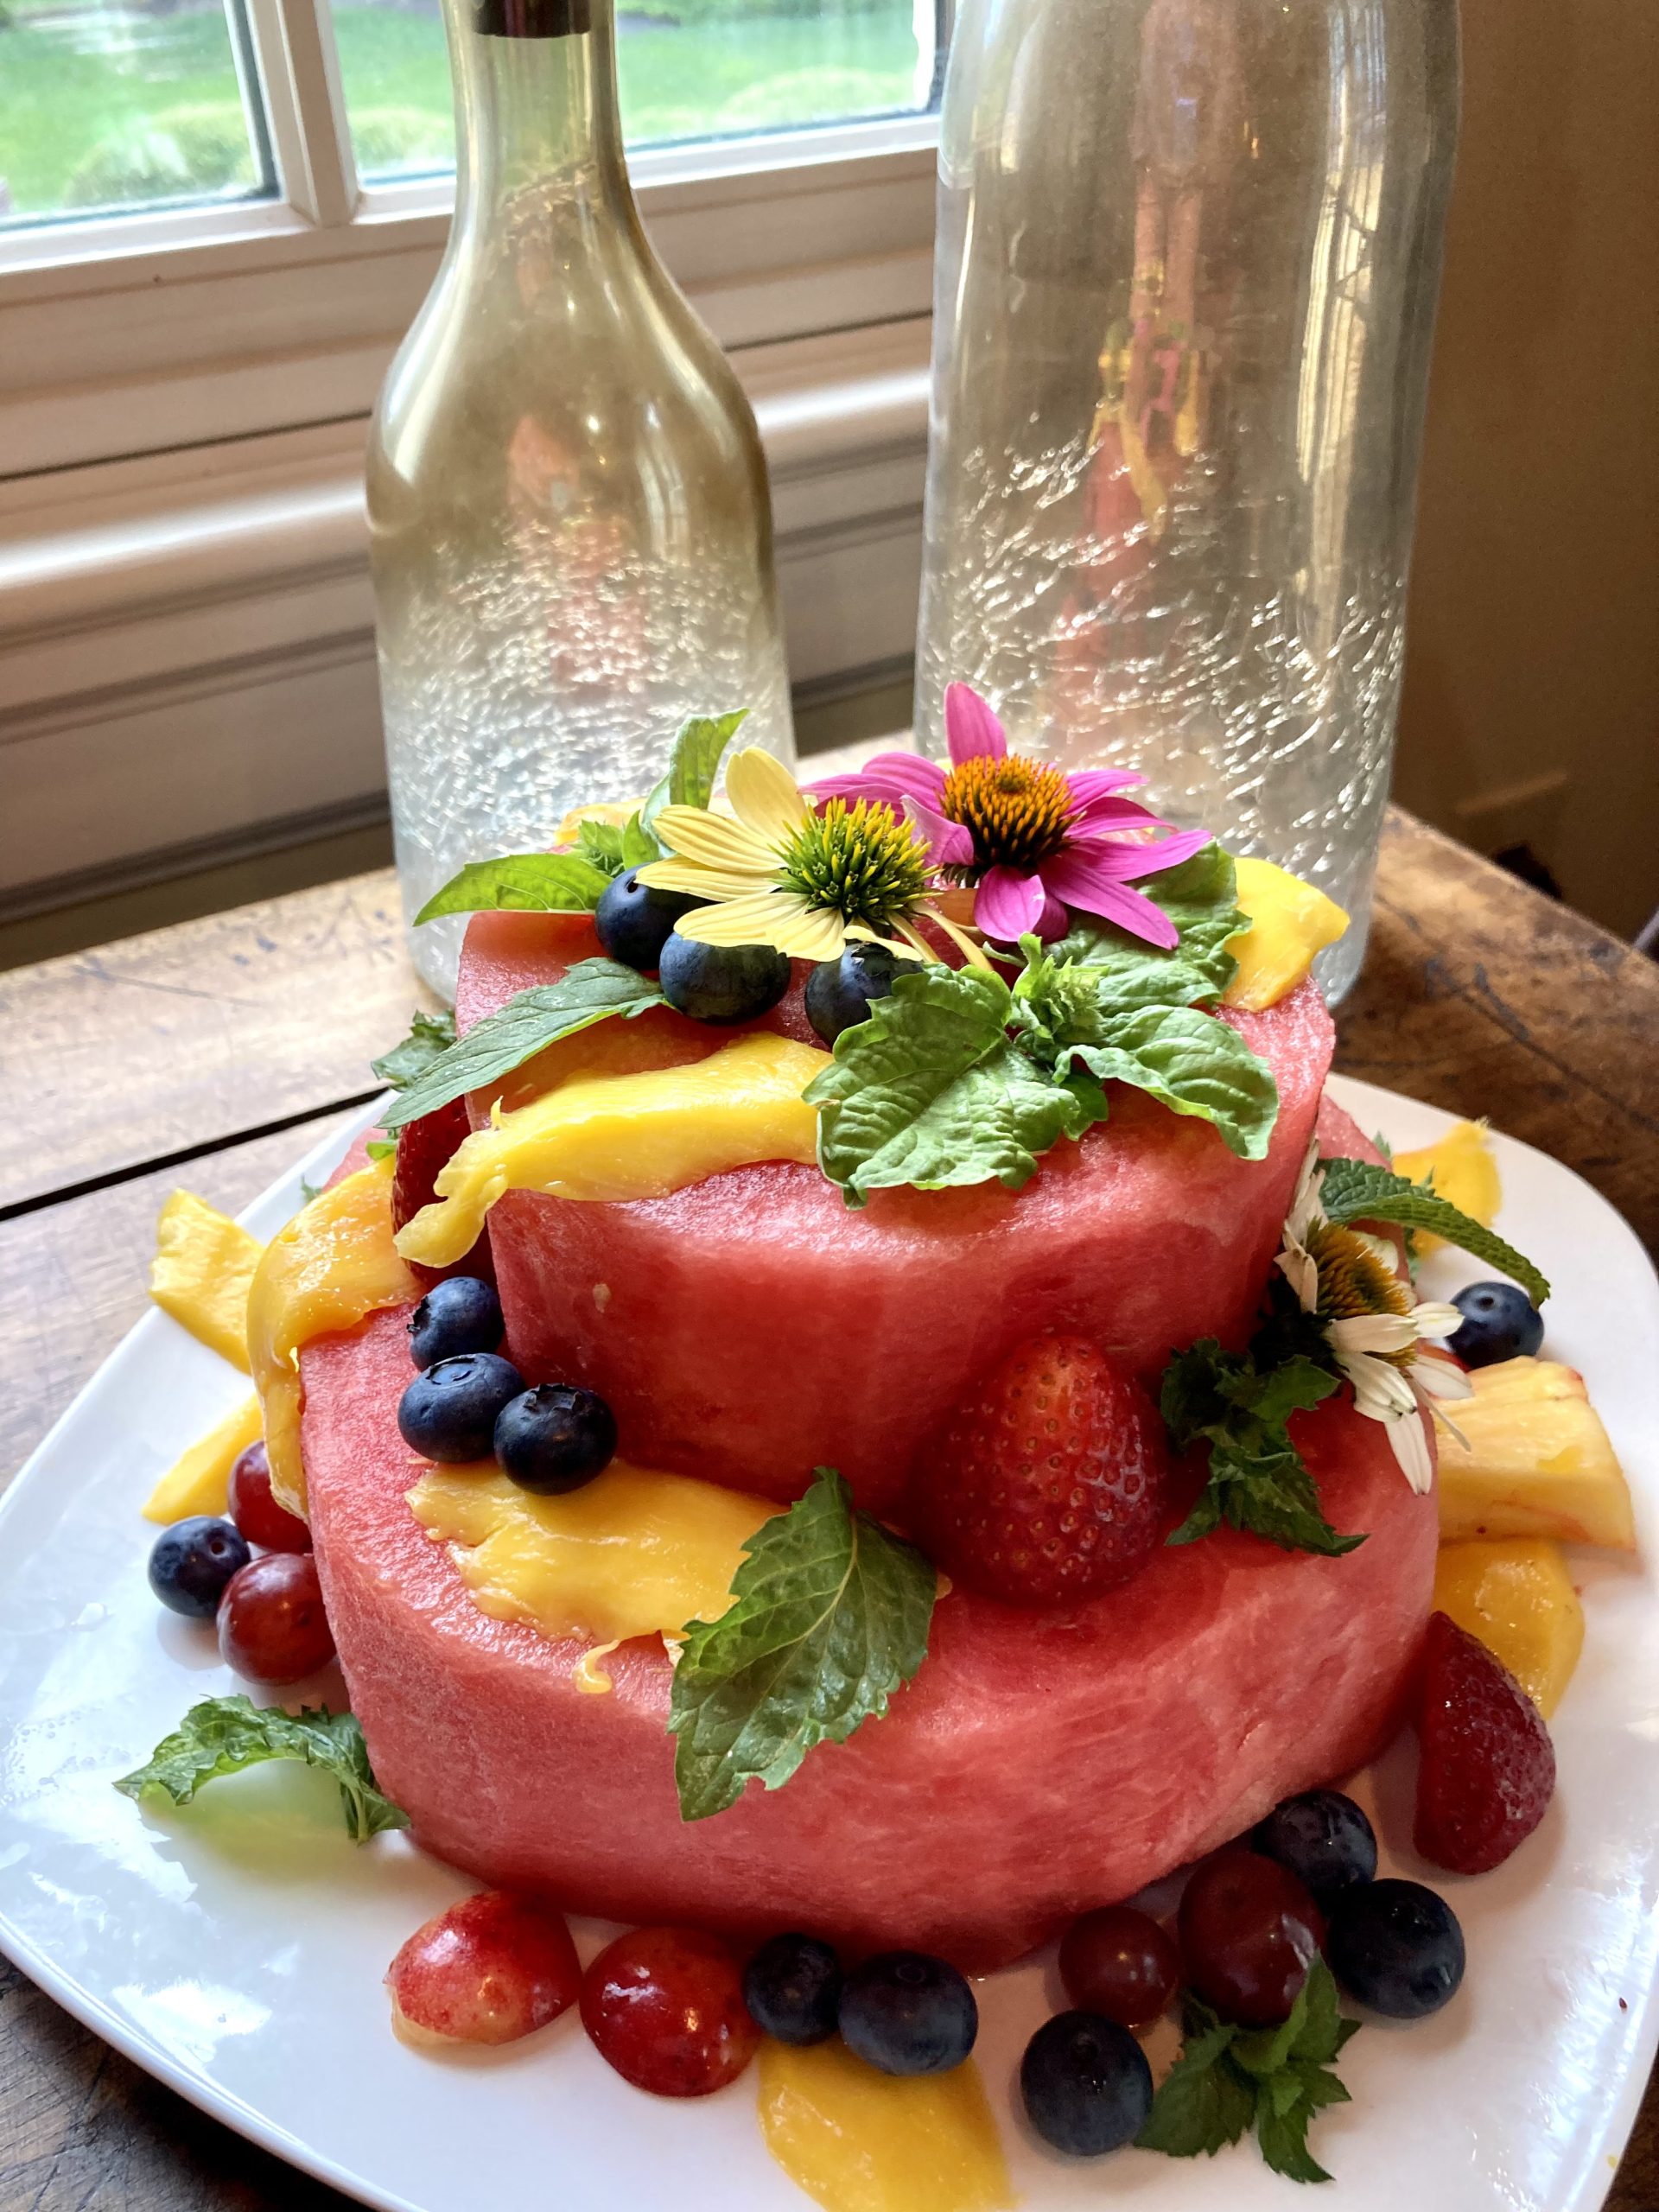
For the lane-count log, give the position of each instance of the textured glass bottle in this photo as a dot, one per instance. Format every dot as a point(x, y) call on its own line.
point(1188, 257)
point(569, 524)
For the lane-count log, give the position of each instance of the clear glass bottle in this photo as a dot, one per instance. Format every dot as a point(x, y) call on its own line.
point(570, 523)
point(1188, 258)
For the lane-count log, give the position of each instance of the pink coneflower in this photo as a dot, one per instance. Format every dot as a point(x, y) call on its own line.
point(1032, 839)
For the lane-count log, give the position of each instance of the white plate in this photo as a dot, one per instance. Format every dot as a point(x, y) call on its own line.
point(237, 1950)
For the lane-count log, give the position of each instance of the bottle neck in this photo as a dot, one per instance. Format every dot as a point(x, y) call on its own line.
point(536, 99)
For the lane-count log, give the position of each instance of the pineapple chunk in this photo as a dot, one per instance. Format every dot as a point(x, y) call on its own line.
point(1536, 1461)
point(200, 1481)
point(1517, 1596)
point(1290, 921)
point(204, 1263)
point(1465, 1173)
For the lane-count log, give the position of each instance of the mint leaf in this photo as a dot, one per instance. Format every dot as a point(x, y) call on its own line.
point(429, 1036)
point(224, 1735)
point(693, 765)
point(591, 991)
point(381, 1147)
point(1227, 2080)
point(520, 883)
point(929, 1091)
point(601, 843)
point(1257, 1482)
point(1200, 896)
point(1201, 2105)
point(1356, 1190)
point(1193, 1064)
point(831, 1616)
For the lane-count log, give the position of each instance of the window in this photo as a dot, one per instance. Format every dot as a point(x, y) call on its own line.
point(117, 104)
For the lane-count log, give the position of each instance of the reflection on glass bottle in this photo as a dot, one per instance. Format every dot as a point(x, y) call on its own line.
point(570, 520)
point(1188, 257)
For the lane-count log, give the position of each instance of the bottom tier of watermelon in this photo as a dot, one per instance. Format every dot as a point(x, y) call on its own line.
point(1039, 1765)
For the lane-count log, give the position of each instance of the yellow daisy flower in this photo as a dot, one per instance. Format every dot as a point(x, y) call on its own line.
point(779, 873)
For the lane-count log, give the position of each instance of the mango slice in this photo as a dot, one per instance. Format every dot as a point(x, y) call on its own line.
point(204, 1263)
point(628, 1137)
point(1290, 921)
point(200, 1482)
point(1465, 1170)
point(1517, 1596)
point(331, 1266)
point(1536, 1461)
point(857, 2140)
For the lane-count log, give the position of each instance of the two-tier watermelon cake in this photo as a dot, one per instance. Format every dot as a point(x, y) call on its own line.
point(866, 1403)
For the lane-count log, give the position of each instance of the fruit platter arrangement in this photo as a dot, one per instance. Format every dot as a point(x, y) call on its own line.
point(862, 1415)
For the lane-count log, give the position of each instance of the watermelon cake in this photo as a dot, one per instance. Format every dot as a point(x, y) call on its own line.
point(866, 1402)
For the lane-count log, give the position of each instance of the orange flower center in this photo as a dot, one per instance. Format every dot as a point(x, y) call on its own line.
point(1018, 812)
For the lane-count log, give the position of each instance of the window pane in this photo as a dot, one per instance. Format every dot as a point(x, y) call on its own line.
point(122, 103)
point(689, 69)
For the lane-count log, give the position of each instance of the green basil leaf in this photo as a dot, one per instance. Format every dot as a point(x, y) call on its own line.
point(831, 1616)
point(591, 991)
point(520, 883)
point(429, 1036)
point(1200, 896)
point(1358, 1190)
point(224, 1735)
point(1194, 1064)
point(638, 846)
point(693, 765)
point(929, 1091)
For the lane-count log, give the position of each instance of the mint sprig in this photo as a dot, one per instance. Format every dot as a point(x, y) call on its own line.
point(429, 1035)
point(591, 990)
point(831, 1616)
point(1258, 1482)
point(1358, 1190)
point(226, 1735)
point(1229, 2079)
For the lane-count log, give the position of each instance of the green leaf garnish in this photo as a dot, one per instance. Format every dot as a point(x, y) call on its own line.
point(695, 762)
point(381, 1147)
point(593, 990)
point(1192, 1064)
point(224, 1735)
point(1229, 2079)
point(931, 1091)
point(429, 1036)
point(520, 883)
point(831, 1616)
point(1200, 896)
point(1257, 1480)
point(1357, 1190)
point(613, 850)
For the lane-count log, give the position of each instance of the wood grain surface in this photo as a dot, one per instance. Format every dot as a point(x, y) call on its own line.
point(236, 1040)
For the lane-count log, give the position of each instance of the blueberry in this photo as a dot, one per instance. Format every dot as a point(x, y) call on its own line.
point(793, 1988)
point(191, 1562)
point(838, 992)
point(1396, 1946)
point(459, 1315)
point(634, 921)
point(555, 1438)
point(903, 2013)
point(449, 1411)
point(1323, 1838)
point(723, 983)
point(1086, 2085)
point(1499, 1322)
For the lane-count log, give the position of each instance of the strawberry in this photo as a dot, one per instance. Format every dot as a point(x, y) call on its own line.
point(1047, 1484)
point(424, 1148)
point(1488, 1767)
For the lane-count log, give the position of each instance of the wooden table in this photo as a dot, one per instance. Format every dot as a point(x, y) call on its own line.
point(214, 1052)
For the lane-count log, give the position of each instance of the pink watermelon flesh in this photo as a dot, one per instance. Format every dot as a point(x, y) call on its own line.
point(753, 1327)
point(1039, 1765)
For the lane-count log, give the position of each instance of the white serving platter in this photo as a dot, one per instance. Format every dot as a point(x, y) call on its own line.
point(236, 1949)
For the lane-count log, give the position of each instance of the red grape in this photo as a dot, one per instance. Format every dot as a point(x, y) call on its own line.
point(1249, 1931)
point(256, 1513)
point(1120, 1962)
point(271, 1624)
point(664, 2006)
point(492, 1968)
